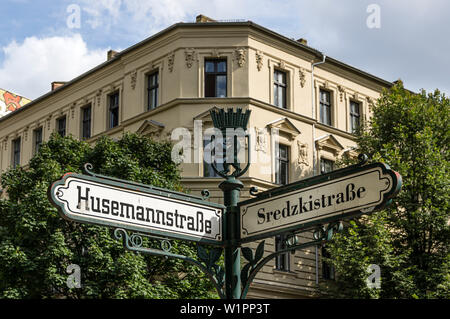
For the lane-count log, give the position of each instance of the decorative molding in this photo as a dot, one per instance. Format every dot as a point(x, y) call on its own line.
point(370, 104)
point(282, 64)
point(49, 118)
point(215, 53)
point(341, 90)
point(351, 153)
point(240, 56)
point(189, 57)
point(285, 126)
point(302, 77)
point(261, 140)
point(356, 96)
point(133, 79)
point(302, 158)
point(151, 129)
point(330, 143)
point(205, 117)
point(99, 96)
point(170, 61)
point(259, 60)
point(25, 131)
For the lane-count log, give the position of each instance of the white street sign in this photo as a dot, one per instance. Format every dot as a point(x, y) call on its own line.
point(130, 206)
point(362, 191)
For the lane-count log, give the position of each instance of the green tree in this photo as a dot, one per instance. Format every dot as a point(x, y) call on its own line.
point(37, 245)
point(410, 239)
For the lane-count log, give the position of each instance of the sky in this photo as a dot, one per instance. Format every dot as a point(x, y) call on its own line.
point(42, 41)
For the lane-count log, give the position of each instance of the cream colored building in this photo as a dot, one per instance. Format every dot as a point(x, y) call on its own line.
point(176, 76)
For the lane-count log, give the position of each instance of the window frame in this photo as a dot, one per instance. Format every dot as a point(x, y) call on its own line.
point(16, 151)
point(277, 86)
point(278, 161)
point(84, 121)
point(326, 161)
point(328, 270)
point(214, 75)
point(282, 261)
point(151, 88)
point(325, 105)
point(207, 167)
point(113, 108)
point(37, 144)
point(62, 130)
point(354, 115)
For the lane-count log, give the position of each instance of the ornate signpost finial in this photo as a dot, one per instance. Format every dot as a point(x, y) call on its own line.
point(232, 126)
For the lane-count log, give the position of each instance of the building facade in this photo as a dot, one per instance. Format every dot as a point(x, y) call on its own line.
point(172, 79)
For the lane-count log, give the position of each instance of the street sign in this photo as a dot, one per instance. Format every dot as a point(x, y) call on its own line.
point(137, 207)
point(320, 199)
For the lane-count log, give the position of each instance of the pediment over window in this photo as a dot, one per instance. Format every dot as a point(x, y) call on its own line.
point(285, 127)
point(205, 117)
point(329, 143)
point(151, 128)
point(350, 153)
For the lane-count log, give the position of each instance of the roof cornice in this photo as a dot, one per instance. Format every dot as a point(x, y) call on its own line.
point(189, 25)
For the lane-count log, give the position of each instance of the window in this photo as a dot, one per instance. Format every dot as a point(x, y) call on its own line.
point(16, 152)
point(152, 91)
point(113, 110)
point(86, 122)
point(61, 126)
point(209, 157)
point(354, 116)
point(325, 107)
point(327, 269)
point(215, 78)
point(282, 165)
point(37, 139)
point(282, 261)
point(279, 88)
point(326, 166)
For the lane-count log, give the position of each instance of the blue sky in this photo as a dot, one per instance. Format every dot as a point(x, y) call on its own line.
point(410, 41)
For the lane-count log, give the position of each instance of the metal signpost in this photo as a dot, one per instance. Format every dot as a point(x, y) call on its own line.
point(162, 214)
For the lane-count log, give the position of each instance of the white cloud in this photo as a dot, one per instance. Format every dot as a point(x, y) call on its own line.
point(29, 67)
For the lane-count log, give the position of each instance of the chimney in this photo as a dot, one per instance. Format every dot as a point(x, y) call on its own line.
point(399, 81)
point(57, 84)
point(111, 54)
point(201, 18)
point(303, 41)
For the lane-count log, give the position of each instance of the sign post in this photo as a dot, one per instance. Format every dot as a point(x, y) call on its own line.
point(162, 214)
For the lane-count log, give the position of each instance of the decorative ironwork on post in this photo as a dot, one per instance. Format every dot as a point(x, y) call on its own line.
point(231, 124)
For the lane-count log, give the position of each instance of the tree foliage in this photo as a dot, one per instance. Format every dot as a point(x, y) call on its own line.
point(410, 239)
point(37, 245)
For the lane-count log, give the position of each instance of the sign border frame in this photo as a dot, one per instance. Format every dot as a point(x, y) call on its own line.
point(137, 187)
point(316, 180)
